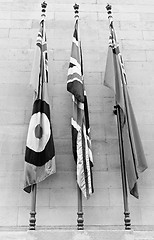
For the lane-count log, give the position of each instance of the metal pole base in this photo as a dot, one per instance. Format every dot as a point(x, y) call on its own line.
point(127, 221)
point(80, 225)
point(32, 220)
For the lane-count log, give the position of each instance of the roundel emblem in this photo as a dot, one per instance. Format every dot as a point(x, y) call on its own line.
point(39, 132)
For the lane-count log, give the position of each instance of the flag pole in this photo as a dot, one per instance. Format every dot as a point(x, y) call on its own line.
point(32, 219)
point(80, 220)
point(116, 111)
point(127, 219)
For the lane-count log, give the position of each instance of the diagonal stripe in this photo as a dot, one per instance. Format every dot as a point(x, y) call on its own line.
point(74, 70)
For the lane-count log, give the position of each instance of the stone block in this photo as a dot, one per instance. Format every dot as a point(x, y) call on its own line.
point(146, 179)
point(134, 8)
point(64, 15)
point(116, 197)
point(150, 162)
point(131, 2)
point(20, 24)
point(5, 15)
point(100, 161)
point(6, 23)
point(21, 54)
point(11, 117)
point(148, 35)
point(130, 34)
point(100, 198)
point(137, 44)
point(146, 131)
point(29, 15)
point(113, 162)
point(59, 54)
point(60, 180)
point(111, 132)
point(65, 162)
point(56, 216)
point(112, 146)
point(15, 103)
point(146, 16)
point(4, 33)
point(103, 215)
point(121, 17)
point(146, 197)
point(10, 197)
point(24, 215)
point(132, 56)
point(12, 162)
point(22, 33)
point(97, 133)
point(149, 55)
point(63, 197)
point(147, 214)
point(11, 146)
point(91, 78)
point(148, 149)
point(10, 216)
point(63, 146)
point(135, 215)
point(107, 179)
point(15, 77)
point(15, 43)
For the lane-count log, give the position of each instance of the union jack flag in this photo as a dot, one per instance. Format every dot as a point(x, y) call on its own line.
point(81, 141)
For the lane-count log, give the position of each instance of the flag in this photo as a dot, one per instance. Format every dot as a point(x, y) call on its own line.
point(81, 141)
point(115, 79)
point(40, 151)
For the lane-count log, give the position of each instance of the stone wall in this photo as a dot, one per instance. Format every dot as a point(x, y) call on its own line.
point(57, 196)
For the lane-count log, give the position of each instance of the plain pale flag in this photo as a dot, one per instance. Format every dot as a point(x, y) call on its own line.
point(115, 79)
point(40, 151)
point(81, 141)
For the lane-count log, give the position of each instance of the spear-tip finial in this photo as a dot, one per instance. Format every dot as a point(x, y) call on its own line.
point(44, 5)
point(109, 8)
point(76, 10)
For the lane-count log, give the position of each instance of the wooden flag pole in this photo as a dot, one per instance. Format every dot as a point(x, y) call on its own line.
point(32, 219)
point(80, 220)
point(127, 219)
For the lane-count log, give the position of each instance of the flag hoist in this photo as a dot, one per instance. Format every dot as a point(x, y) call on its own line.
point(81, 142)
point(132, 156)
point(40, 151)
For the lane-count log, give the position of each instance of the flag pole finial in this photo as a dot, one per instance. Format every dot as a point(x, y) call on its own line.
point(109, 12)
point(76, 10)
point(109, 8)
point(43, 5)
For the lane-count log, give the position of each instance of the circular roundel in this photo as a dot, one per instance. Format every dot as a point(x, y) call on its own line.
point(39, 132)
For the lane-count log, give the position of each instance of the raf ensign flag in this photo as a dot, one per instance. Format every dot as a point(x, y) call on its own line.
point(40, 151)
